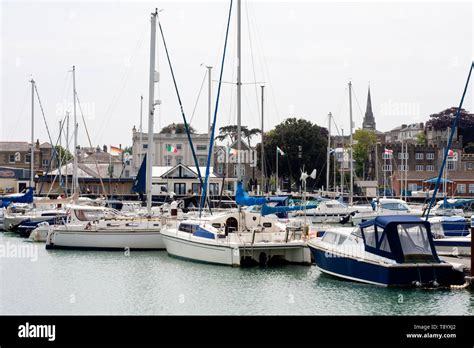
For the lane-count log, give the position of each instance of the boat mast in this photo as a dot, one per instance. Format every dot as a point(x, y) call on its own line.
point(328, 153)
point(239, 89)
point(32, 155)
point(67, 148)
point(151, 110)
point(376, 170)
point(139, 153)
point(209, 112)
point(262, 150)
point(75, 185)
point(351, 187)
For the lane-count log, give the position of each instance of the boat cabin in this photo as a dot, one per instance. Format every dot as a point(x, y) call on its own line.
point(405, 239)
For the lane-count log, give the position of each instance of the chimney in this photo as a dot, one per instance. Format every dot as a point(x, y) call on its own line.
point(104, 148)
point(37, 145)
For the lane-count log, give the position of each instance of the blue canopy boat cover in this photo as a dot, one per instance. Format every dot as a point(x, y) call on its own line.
point(267, 210)
point(400, 238)
point(243, 198)
point(26, 197)
point(433, 180)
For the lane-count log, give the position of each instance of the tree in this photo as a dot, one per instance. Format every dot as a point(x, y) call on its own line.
point(444, 119)
point(63, 154)
point(421, 138)
point(230, 132)
point(288, 136)
point(177, 128)
point(365, 140)
point(128, 149)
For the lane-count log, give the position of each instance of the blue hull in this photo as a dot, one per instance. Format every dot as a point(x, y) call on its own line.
point(365, 272)
point(457, 229)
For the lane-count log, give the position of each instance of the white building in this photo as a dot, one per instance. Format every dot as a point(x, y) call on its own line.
point(170, 149)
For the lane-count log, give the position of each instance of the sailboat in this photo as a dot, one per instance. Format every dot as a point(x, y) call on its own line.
point(237, 237)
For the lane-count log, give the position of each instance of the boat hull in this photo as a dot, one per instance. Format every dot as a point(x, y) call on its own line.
point(384, 275)
point(456, 246)
point(105, 240)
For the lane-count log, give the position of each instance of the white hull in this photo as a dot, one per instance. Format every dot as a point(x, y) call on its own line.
point(116, 239)
point(222, 252)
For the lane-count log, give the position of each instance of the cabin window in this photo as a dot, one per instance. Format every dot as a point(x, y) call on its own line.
point(370, 236)
point(267, 224)
point(383, 241)
point(187, 228)
point(414, 242)
point(216, 225)
point(341, 240)
point(394, 206)
point(329, 238)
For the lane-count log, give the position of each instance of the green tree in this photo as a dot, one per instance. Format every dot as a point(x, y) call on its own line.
point(230, 132)
point(421, 138)
point(128, 149)
point(178, 128)
point(444, 119)
point(365, 140)
point(288, 136)
point(63, 154)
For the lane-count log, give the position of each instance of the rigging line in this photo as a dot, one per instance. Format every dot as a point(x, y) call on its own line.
point(42, 112)
point(253, 63)
point(196, 163)
point(357, 102)
point(211, 141)
point(265, 66)
point(90, 144)
point(11, 135)
point(340, 110)
point(199, 95)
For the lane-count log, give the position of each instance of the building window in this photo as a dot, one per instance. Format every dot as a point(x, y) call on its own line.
point(214, 189)
point(242, 170)
point(430, 155)
point(220, 169)
point(403, 155)
point(180, 188)
point(11, 158)
point(430, 168)
point(471, 188)
point(387, 156)
point(202, 160)
point(419, 168)
point(403, 168)
point(469, 166)
point(412, 187)
point(28, 158)
point(451, 165)
point(387, 168)
point(127, 174)
point(179, 146)
point(145, 146)
point(179, 159)
point(195, 188)
point(168, 160)
point(419, 155)
point(45, 163)
point(201, 147)
point(461, 188)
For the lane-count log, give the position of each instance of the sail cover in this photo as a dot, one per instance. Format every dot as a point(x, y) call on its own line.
point(243, 198)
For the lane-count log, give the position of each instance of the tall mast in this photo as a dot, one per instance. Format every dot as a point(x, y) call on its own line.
point(328, 153)
point(139, 153)
point(67, 148)
point(262, 149)
point(239, 87)
point(59, 152)
point(151, 111)
point(75, 185)
point(351, 187)
point(209, 99)
point(32, 155)
point(377, 169)
point(342, 163)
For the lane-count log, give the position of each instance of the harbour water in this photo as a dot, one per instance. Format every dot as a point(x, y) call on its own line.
point(117, 283)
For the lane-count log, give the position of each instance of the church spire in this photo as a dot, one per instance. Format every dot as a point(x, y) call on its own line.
point(369, 120)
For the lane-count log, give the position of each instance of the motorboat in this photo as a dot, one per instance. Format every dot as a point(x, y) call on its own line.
point(387, 207)
point(330, 211)
point(387, 251)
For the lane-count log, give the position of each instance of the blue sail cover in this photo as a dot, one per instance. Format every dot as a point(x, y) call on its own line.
point(457, 203)
point(139, 184)
point(267, 210)
point(243, 198)
point(27, 197)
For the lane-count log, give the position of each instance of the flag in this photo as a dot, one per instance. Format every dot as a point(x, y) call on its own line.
point(171, 148)
point(279, 151)
point(450, 153)
point(115, 151)
point(388, 152)
point(331, 151)
point(232, 151)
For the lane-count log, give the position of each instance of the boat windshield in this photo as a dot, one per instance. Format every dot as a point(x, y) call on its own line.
point(88, 215)
point(414, 242)
point(394, 206)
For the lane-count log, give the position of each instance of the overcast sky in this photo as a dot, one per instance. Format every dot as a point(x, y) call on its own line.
point(414, 55)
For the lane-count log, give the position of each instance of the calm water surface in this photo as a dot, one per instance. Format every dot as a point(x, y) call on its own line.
point(88, 282)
